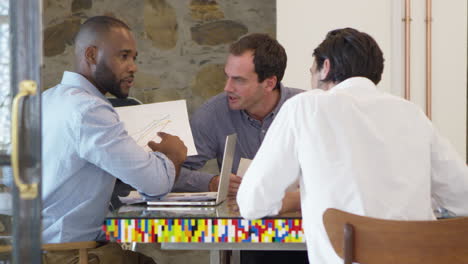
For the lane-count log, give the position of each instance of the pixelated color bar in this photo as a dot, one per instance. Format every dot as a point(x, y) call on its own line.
point(205, 230)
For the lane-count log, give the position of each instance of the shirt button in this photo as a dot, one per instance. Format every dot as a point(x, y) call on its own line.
point(263, 131)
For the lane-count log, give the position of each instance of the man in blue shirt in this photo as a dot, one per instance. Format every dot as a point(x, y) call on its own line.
point(252, 97)
point(86, 147)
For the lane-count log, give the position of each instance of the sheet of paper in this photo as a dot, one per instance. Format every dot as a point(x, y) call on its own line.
point(243, 166)
point(132, 198)
point(131, 208)
point(143, 122)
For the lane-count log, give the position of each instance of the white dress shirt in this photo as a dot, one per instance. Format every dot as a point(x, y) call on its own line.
point(357, 149)
point(85, 148)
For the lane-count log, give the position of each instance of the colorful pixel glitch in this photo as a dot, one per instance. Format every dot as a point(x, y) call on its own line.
point(205, 230)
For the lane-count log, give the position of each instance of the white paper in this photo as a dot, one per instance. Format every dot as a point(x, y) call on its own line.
point(132, 198)
point(143, 122)
point(243, 166)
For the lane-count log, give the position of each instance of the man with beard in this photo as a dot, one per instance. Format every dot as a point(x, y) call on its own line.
point(253, 95)
point(86, 147)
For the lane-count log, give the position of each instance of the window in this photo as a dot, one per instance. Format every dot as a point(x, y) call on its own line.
point(5, 93)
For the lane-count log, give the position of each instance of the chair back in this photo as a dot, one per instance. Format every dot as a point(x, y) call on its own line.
point(118, 102)
point(121, 188)
point(368, 240)
point(81, 247)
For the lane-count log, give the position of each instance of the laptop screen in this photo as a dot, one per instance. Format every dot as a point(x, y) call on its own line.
point(226, 168)
point(197, 198)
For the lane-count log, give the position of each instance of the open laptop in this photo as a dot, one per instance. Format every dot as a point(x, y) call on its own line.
point(205, 198)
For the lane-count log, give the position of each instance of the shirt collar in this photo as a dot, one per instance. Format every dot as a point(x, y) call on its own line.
point(355, 83)
point(79, 81)
point(283, 98)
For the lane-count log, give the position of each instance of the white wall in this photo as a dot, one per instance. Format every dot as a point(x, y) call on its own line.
point(450, 70)
point(303, 24)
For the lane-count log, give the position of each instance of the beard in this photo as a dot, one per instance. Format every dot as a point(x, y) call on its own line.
point(106, 79)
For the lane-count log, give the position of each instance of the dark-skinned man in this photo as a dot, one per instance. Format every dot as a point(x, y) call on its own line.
point(86, 147)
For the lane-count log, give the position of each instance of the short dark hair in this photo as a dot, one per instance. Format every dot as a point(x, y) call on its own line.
point(269, 56)
point(351, 53)
point(100, 24)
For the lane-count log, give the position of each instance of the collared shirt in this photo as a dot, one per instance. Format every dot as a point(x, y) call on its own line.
point(356, 149)
point(210, 124)
point(85, 148)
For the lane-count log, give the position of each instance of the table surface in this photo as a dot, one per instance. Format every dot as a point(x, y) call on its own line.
point(226, 210)
point(217, 224)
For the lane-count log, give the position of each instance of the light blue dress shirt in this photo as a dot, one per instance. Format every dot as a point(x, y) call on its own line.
point(85, 148)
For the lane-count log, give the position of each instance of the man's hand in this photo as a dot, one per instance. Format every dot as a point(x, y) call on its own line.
point(172, 147)
point(234, 182)
point(291, 202)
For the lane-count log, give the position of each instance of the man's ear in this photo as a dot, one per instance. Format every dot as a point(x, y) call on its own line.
point(91, 55)
point(270, 83)
point(325, 69)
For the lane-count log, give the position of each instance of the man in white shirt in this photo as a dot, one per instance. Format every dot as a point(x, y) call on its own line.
point(352, 147)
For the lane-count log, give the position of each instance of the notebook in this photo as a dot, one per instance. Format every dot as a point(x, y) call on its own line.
point(205, 198)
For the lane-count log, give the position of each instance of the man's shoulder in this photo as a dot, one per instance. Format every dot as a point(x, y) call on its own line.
point(290, 92)
point(71, 98)
point(66, 93)
point(214, 111)
point(213, 106)
point(304, 97)
point(217, 102)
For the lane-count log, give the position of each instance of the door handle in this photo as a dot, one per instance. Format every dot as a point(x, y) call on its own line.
point(26, 191)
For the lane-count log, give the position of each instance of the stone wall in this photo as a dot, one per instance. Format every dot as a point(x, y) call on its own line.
point(182, 44)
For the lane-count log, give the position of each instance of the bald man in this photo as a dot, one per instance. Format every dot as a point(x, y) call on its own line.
point(86, 147)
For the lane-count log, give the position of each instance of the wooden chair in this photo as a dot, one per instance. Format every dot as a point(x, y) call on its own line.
point(369, 240)
point(82, 248)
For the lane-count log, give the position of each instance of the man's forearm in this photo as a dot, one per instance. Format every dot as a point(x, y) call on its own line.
point(192, 181)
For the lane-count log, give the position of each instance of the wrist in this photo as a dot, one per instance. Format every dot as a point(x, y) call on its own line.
point(213, 184)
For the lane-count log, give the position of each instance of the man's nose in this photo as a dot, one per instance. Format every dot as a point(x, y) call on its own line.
point(228, 86)
point(133, 67)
